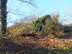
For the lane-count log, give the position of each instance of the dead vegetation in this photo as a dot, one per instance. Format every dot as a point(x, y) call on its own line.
point(22, 39)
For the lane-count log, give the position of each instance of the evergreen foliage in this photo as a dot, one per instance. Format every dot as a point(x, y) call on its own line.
point(47, 25)
point(67, 29)
point(38, 24)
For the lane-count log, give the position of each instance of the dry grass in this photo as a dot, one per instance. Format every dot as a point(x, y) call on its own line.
point(22, 40)
point(32, 45)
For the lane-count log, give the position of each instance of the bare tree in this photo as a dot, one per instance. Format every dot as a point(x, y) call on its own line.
point(4, 13)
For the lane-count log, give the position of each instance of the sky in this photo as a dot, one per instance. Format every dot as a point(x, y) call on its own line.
point(18, 10)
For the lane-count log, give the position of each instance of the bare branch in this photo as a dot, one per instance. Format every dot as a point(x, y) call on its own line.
point(32, 2)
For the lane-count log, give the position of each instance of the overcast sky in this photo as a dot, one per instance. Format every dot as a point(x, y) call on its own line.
point(43, 7)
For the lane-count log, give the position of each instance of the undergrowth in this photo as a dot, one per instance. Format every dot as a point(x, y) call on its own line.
point(42, 36)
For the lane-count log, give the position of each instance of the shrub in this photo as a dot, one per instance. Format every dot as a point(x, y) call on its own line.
point(67, 29)
point(20, 28)
point(38, 24)
point(47, 25)
point(40, 34)
point(53, 27)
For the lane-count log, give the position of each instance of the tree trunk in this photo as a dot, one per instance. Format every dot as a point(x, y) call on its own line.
point(3, 16)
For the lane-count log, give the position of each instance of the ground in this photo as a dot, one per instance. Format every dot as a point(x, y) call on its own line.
point(33, 45)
